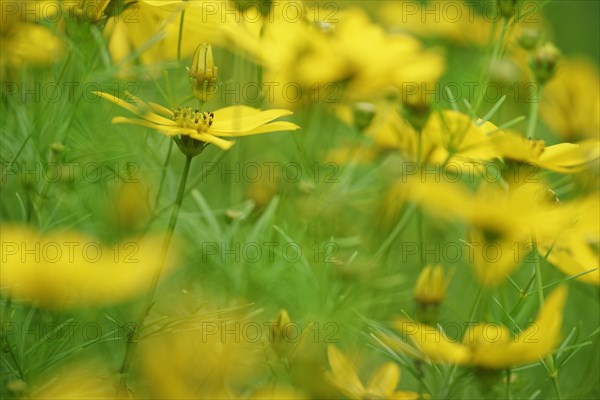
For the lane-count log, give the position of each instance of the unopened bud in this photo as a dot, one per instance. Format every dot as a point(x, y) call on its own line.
point(279, 340)
point(529, 38)
point(507, 8)
point(544, 62)
point(203, 73)
point(432, 285)
point(363, 115)
point(57, 148)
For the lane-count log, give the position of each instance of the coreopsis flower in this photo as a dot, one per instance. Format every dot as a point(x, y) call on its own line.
point(575, 251)
point(492, 346)
point(356, 60)
point(468, 28)
point(564, 158)
point(570, 103)
point(193, 130)
point(459, 136)
point(23, 41)
point(501, 221)
point(70, 269)
point(87, 379)
point(202, 359)
point(431, 286)
point(382, 385)
point(151, 29)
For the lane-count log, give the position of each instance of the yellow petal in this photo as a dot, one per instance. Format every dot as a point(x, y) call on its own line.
point(205, 137)
point(276, 126)
point(384, 381)
point(167, 130)
point(343, 375)
point(434, 343)
point(541, 338)
point(241, 119)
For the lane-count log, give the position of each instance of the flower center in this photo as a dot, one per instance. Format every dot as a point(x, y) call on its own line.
point(186, 118)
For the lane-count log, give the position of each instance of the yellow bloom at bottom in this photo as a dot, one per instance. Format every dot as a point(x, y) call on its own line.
point(381, 386)
point(491, 346)
point(70, 269)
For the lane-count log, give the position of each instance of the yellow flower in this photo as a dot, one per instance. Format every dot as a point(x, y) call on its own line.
point(459, 135)
point(431, 286)
point(70, 269)
point(575, 250)
point(356, 59)
point(570, 103)
point(564, 158)
point(467, 27)
point(501, 221)
point(150, 29)
point(382, 385)
point(202, 127)
point(491, 346)
point(22, 41)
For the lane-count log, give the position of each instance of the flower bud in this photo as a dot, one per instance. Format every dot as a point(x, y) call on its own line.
point(544, 62)
point(203, 73)
point(57, 148)
point(529, 38)
point(363, 115)
point(431, 286)
point(507, 8)
point(278, 328)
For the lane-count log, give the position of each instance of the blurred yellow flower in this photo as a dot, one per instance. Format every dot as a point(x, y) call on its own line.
point(69, 269)
point(354, 59)
point(491, 346)
point(75, 381)
point(455, 21)
point(150, 30)
point(382, 384)
point(203, 127)
point(575, 250)
point(460, 136)
point(431, 286)
point(206, 360)
point(570, 103)
point(24, 42)
point(501, 221)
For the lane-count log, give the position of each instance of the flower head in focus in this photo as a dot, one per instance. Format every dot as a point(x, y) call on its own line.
point(193, 130)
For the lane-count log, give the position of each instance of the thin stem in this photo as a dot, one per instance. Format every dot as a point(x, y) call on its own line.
point(496, 54)
point(538, 272)
point(134, 336)
point(163, 174)
point(507, 394)
point(533, 112)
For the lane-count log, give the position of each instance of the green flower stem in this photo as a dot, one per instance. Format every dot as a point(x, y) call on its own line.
point(533, 112)
point(45, 188)
point(552, 371)
point(496, 54)
point(134, 336)
point(163, 174)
